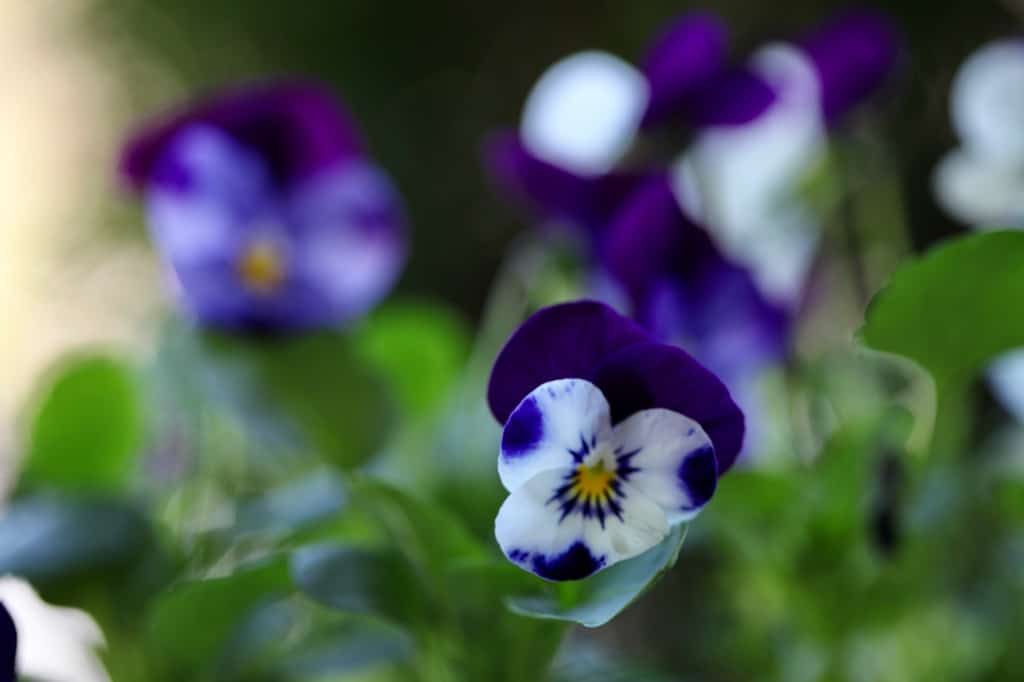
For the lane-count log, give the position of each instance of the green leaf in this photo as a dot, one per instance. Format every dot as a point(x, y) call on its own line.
point(88, 429)
point(311, 385)
point(954, 309)
point(189, 624)
point(358, 580)
point(596, 601)
point(355, 647)
point(49, 538)
point(421, 348)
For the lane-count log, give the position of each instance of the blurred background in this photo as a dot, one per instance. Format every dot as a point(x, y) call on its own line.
point(427, 81)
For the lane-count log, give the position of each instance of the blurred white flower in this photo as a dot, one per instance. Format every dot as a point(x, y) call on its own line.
point(55, 644)
point(584, 112)
point(744, 181)
point(982, 182)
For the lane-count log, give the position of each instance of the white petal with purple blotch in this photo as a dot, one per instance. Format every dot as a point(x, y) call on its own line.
point(987, 101)
point(534, 533)
point(584, 112)
point(667, 458)
point(555, 426)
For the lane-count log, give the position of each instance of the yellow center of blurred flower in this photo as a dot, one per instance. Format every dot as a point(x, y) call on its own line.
point(593, 482)
point(262, 267)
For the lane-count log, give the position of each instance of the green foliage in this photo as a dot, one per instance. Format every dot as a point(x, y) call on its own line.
point(597, 600)
point(87, 431)
point(190, 623)
point(419, 347)
point(50, 538)
point(954, 309)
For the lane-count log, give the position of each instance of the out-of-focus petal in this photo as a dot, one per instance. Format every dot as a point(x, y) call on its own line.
point(1006, 376)
point(559, 342)
point(350, 238)
point(674, 461)
point(987, 101)
point(852, 55)
point(55, 644)
point(690, 51)
point(748, 179)
point(555, 426)
point(584, 112)
point(979, 191)
point(655, 375)
point(298, 127)
point(736, 97)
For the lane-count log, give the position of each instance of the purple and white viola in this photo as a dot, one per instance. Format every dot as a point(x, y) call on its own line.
point(744, 182)
point(268, 210)
point(8, 646)
point(981, 183)
point(610, 438)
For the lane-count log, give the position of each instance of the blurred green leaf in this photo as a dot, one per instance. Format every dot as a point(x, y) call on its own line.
point(596, 601)
point(313, 384)
point(954, 309)
point(88, 429)
point(294, 505)
point(50, 538)
point(420, 347)
point(190, 623)
point(342, 651)
point(358, 580)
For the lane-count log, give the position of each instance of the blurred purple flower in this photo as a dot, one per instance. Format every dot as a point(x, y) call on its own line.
point(268, 210)
point(687, 293)
point(609, 439)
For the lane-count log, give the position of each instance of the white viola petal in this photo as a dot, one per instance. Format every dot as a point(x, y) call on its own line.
point(987, 101)
point(54, 644)
point(555, 426)
point(744, 182)
point(979, 191)
point(584, 112)
point(669, 459)
point(351, 236)
point(533, 534)
point(223, 192)
point(640, 524)
point(1006, 376)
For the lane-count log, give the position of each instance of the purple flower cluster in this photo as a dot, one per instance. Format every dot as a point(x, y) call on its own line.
point(268, 210)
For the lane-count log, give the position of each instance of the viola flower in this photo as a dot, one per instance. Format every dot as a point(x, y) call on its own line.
point(609, 439)
point(50, 644)
point(745, 182)
point(585, 112)
point(8, 646)
point(268, 210)
point(982, 182)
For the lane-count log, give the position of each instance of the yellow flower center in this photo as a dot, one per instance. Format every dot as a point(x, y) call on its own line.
point(262, 267)
point(593, 482)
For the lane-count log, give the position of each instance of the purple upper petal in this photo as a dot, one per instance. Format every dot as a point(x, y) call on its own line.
point(737, 96)
point(298, 128)
point(689, 52)
point(852, 54)
point(552, 191)
point(566, 341)
point(649, 375)
point(589, 340)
